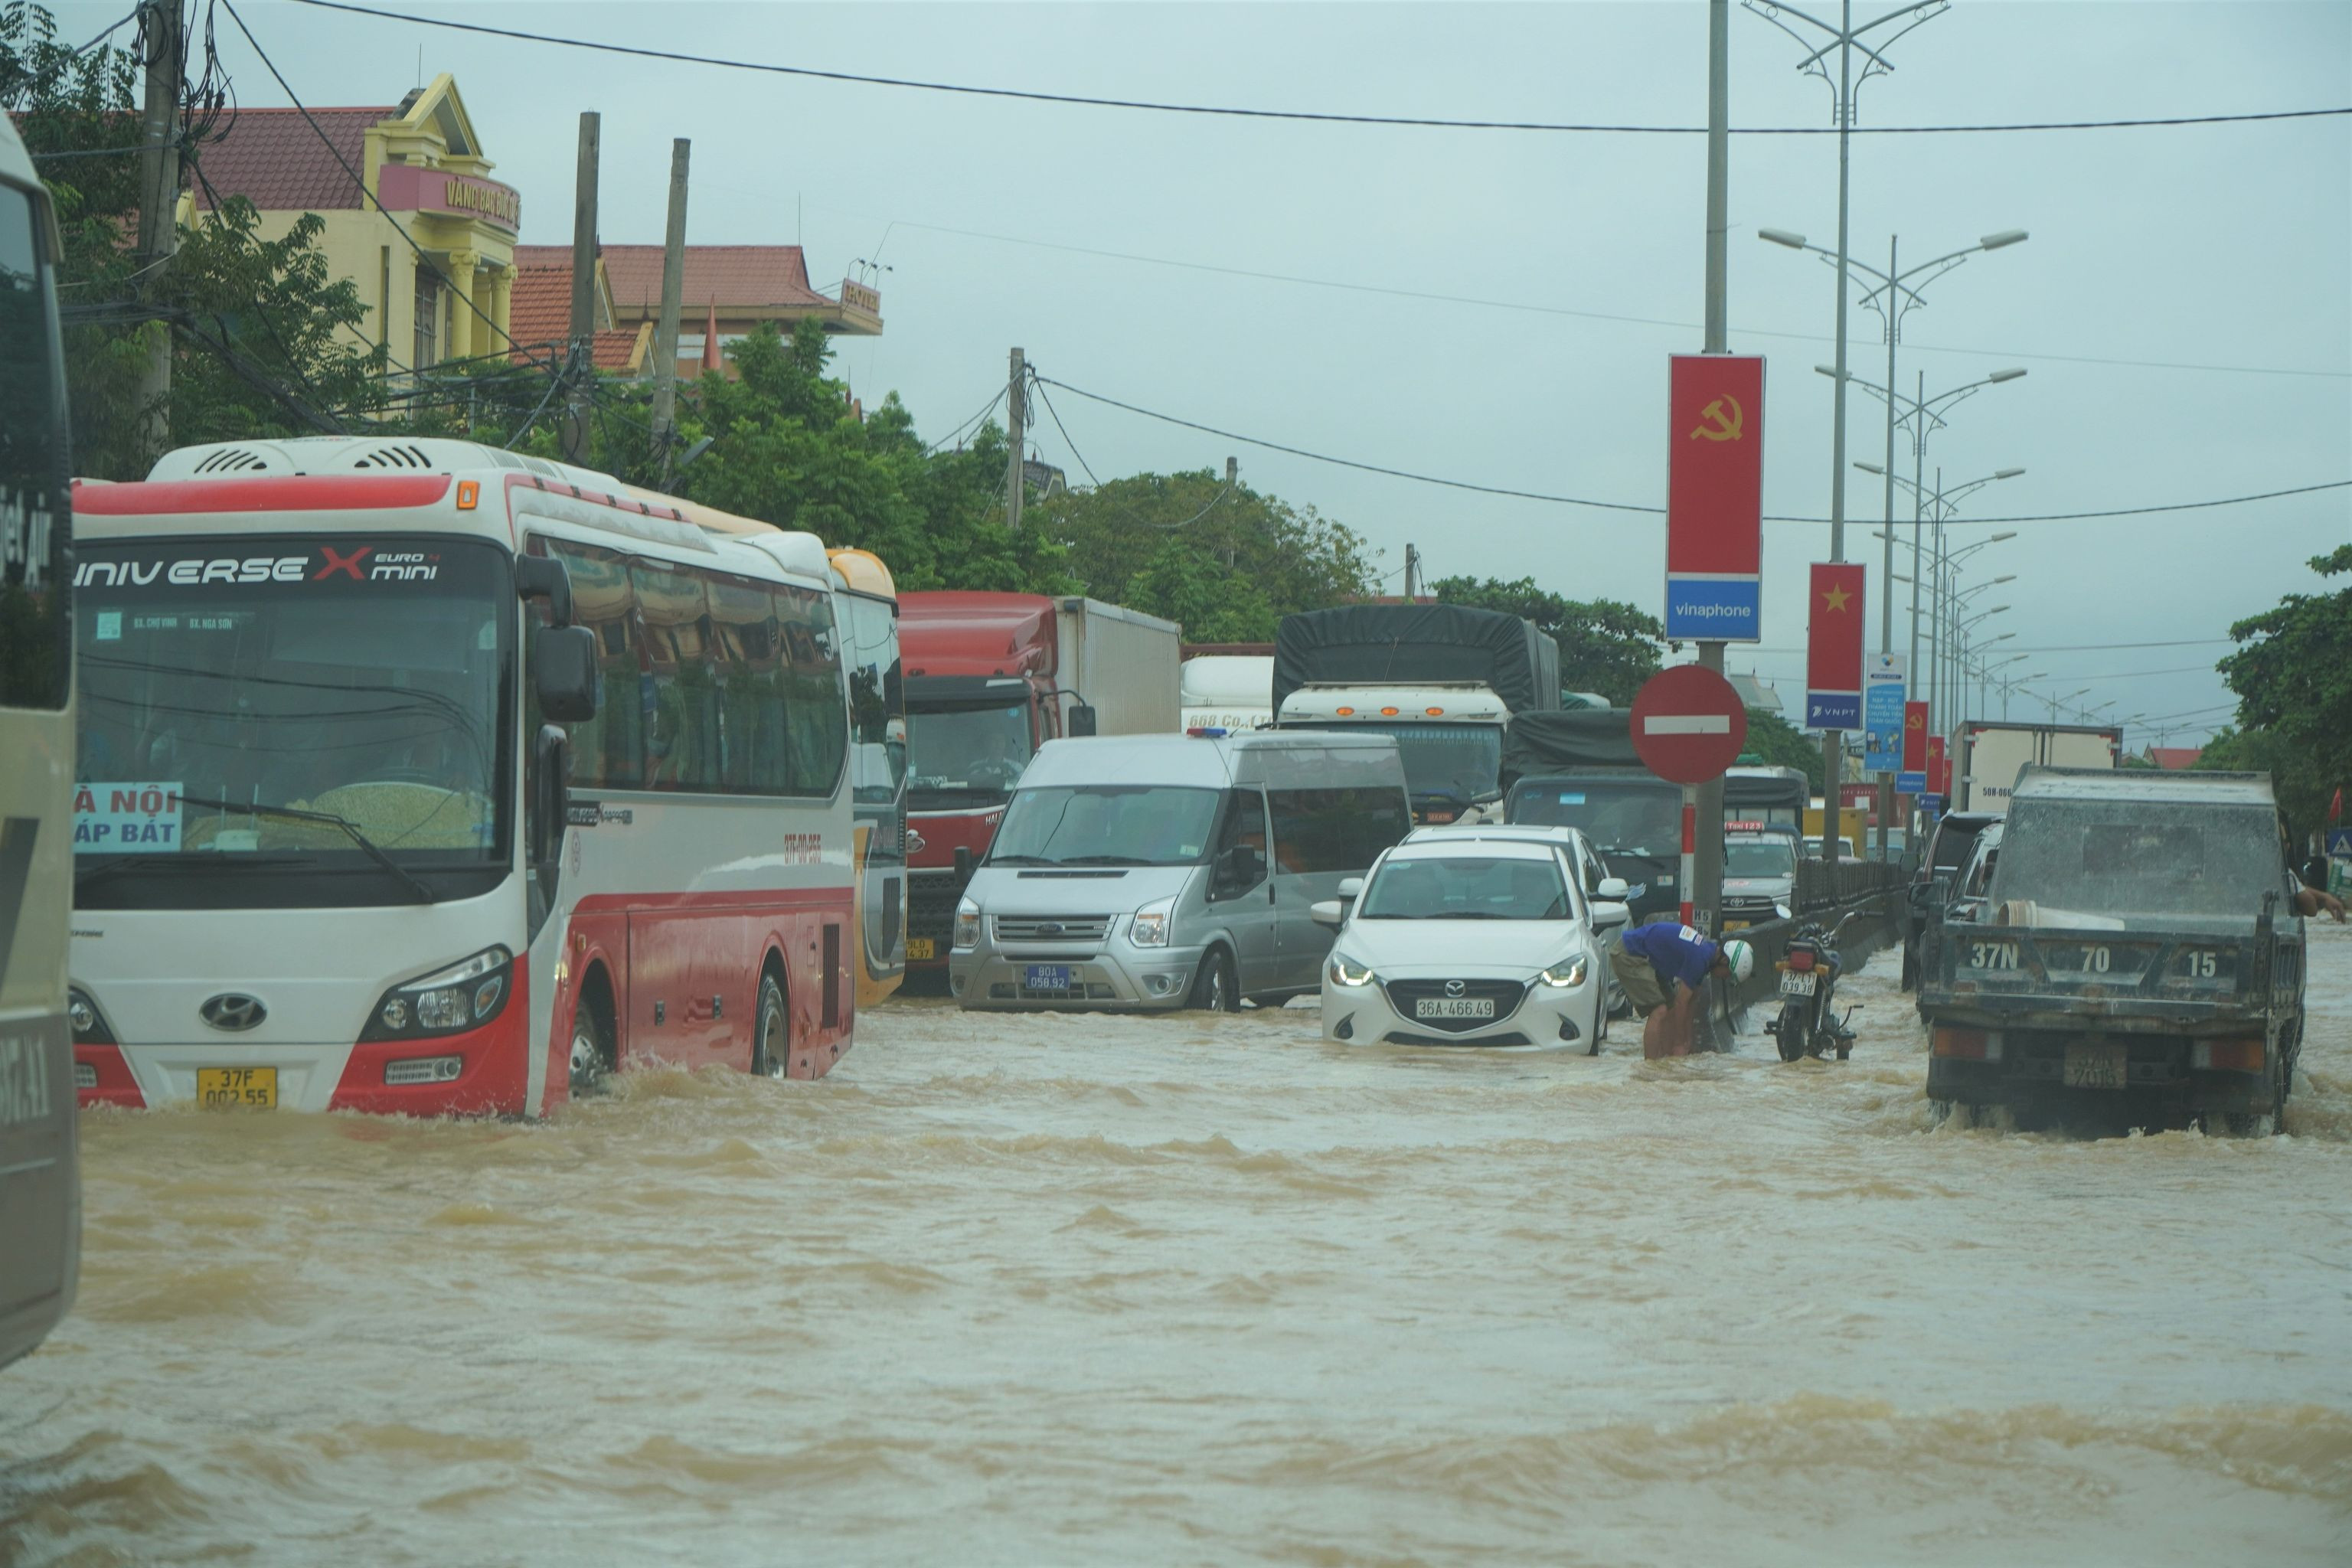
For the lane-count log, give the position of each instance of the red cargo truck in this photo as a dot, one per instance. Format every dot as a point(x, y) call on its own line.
point(990, 678)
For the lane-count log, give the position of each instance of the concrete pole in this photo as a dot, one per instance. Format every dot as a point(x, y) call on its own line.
point(1886, 535)
point(1833, 741)
point(673, 300)
point(1705, 892)
point(580, 365)
point(1016, 417)
point(158, 201)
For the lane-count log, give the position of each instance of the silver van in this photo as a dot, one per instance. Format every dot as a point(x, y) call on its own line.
point(1173, 870)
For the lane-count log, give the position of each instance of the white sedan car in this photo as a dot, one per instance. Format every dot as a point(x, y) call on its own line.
point(1467, 942)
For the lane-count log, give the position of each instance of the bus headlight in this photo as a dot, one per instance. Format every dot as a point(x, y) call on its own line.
point(465, 995)
point(1565, 975)
point(967, 924)
point(1150, 927)
point(1346, 971)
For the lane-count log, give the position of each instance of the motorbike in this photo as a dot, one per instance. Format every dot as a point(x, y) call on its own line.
point(1809, 966)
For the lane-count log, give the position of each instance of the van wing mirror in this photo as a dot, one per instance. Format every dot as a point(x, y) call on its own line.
point(543, 577)
point(564, 672)
point(1327, 912)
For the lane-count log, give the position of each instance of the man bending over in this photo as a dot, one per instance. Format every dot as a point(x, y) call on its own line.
point(1663, 968)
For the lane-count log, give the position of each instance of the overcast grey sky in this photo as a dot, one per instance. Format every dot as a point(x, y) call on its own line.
point(2219, 246)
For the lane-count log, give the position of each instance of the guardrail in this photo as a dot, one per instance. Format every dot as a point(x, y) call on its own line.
point(1825, 884)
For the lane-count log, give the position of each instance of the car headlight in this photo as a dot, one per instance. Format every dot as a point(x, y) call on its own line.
point(463, 996)
point(1564, 974)
point(967, 926)
point(1150, 927)
point(1346, 971)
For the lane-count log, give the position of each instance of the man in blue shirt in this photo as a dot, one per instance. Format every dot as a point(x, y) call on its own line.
point(1663, 968)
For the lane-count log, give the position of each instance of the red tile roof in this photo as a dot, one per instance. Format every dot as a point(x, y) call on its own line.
point(2174, 759)
point(273, 159)
point(758, 277)
point(540, 310)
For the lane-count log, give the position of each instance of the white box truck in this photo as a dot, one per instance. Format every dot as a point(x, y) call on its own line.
point(1990, 754)
point(1121, 663)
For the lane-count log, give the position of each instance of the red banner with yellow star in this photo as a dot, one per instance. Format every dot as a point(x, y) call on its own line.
point(1833, 647)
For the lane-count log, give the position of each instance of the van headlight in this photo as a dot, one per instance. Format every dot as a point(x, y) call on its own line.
point(1150, 926)
point(1346, 971)
point(967, 926)
point(465, 995)
point(1565, 975)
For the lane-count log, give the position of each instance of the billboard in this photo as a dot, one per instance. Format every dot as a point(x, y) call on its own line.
point(1715, 498)
point(1833, 646)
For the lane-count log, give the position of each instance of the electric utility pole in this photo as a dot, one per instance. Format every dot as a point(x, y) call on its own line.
point(1016, 421)
point(672, 296)
point(158, 201)
point(1705, 892)
point(580, 364)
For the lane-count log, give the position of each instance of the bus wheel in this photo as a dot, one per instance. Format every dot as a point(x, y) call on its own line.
point(772, 1042)
point(1213, 986)
point(592, 1053)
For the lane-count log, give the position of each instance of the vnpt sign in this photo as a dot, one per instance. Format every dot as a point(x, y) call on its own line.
point(1715, 498)
point(1833, 648)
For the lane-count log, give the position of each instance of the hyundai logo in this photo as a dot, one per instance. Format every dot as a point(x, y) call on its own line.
point(1452, 988)
point(232, 1011)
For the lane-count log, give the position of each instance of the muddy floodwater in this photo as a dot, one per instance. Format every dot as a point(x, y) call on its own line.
point(1143, 1291)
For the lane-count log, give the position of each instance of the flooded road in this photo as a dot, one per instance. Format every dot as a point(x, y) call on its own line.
point(1064, 1290)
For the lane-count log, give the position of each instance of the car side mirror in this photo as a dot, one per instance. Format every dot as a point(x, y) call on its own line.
point(1328, 912)
point(544, 578)
point(1613, 888)
point(1351, 888)
point(1082, 721)
point(564, 672)
point(1609, 915)
point(551, 778)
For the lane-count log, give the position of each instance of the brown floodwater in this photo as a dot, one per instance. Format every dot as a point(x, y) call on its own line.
point(1085, 1290)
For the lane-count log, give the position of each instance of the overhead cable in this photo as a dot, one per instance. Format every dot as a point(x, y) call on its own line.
point(1655, 510)
point(1230, 111)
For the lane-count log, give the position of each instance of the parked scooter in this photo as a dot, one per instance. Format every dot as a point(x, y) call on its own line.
point(1809, 967)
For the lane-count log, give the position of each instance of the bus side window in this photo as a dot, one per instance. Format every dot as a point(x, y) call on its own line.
point(605, 749)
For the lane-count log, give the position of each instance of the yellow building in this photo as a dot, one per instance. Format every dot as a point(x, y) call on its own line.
point(423, 170)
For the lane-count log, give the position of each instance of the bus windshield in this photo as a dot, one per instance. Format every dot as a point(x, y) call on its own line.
point(1106, 825)
point(1620, 818)
point(365, 680)
point(957, 752)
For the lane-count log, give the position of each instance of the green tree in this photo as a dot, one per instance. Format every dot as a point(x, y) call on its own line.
point(1225, 562)
point(2293, 676)
point(1605, 646)
point(264, 339)
point(1775, 741)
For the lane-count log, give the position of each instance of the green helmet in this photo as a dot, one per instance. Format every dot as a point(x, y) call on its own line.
point(1740, 957)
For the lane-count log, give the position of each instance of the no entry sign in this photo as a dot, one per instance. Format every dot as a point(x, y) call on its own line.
point(1688, 724)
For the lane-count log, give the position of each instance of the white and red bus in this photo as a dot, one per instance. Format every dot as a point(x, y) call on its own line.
point(419, 776)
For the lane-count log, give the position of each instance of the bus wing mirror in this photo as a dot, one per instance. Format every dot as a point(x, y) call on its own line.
point(1082, 721)
point(543, 577)
point(563, 673)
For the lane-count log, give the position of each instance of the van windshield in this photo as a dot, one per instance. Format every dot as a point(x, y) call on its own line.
point(1106, 825)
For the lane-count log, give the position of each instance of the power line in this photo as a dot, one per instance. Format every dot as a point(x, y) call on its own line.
point(1413, 121)
point(971, 424)
point(1488, 303)
point(1073, 445)
point(1652, 510)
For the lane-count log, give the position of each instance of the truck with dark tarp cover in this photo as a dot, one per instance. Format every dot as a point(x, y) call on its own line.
point(1577, 769)
point(2140, 952)
point(1444, 680)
